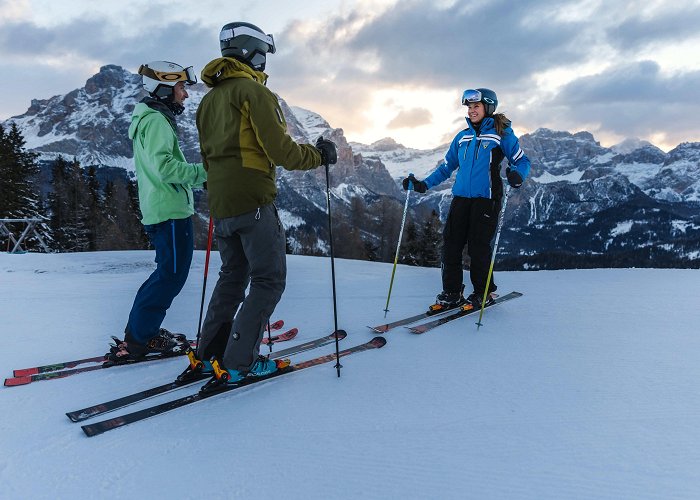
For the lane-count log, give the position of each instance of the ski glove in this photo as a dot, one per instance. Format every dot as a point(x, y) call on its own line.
point(418, 186)
point(514, 178)
point(327, 149)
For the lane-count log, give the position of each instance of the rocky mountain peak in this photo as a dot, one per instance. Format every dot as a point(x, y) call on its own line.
point(386, 144)
point(110, 76)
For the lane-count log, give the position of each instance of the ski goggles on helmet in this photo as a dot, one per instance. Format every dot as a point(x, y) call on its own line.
point(230, 33)
point(471, 95)
point(187, 75)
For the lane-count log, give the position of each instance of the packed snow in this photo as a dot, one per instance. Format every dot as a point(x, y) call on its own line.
point(586, 387)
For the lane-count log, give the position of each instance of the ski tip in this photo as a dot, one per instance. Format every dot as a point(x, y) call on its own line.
point(378, 342)
point(379, 329)
point(25, 372)
point(73, 416)
point(11, 382)
point(340, 334)
point(89, 430)
point(277, 325)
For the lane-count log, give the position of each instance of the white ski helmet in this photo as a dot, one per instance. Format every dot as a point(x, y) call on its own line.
point(247, 43)
point(159, 77)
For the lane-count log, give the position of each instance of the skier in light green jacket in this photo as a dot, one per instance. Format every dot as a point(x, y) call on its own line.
point(165, 181)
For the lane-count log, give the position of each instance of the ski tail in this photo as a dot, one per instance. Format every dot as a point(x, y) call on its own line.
point(36, 370)
point(282, 337)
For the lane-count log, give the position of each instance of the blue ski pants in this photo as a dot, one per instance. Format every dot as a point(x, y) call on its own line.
point(174, 243)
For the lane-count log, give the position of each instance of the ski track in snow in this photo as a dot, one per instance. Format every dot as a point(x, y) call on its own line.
point(586, 387)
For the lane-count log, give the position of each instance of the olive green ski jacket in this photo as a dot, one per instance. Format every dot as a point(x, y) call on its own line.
point(243, 137)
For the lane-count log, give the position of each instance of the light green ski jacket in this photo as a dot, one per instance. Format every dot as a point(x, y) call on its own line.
point(164, 178)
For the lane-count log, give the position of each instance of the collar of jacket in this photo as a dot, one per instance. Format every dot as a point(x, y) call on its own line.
point(157, 105)
point(224, 68)
point(486, 124)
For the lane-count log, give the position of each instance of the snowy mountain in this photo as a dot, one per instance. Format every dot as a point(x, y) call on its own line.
point(541, 403)
point(584, 205)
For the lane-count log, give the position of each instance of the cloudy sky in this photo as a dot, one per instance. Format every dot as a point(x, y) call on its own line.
point(395, 68)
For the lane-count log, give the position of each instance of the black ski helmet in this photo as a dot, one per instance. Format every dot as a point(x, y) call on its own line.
point(486, 96)
point(247, 43)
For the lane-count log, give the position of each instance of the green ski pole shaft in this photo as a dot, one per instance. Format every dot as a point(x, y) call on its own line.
point(398, 246)
point(493, 255)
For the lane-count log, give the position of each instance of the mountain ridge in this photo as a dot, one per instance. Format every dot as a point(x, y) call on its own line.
point(573, 203)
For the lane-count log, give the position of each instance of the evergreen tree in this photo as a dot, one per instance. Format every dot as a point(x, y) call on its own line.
point(410, 248)
point(94, 208)
point(19, 197)
point(19, 192)
point(120, 228)
point(69, 206)
point(432, 241)
point(132, 220)
point(386, 218)
point(423, 248)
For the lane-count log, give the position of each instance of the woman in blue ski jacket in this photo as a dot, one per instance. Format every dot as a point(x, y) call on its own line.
point(476, 153)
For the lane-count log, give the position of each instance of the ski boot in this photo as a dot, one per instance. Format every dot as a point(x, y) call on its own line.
point(164, 344)
point(475, 299)
point(222, 378)
point(447, 300)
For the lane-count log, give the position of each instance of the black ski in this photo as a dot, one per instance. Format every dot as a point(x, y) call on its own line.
point(462, 311)
point(106, 425)
point(99, 409)
point(411, 319)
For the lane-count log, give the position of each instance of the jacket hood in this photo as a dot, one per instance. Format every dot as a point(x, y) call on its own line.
point(224, 68)
point(146, 108)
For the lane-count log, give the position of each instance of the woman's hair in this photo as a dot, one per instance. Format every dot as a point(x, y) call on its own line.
point(501, 122)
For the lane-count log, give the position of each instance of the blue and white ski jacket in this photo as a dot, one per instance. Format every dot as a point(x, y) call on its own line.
point(478, 158)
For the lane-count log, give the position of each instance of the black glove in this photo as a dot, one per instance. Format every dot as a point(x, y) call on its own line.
point(418, 186)
point(329, 153)
point(514, 178)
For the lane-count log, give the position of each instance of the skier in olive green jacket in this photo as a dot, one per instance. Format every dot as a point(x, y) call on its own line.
point(243, 137)
point(165, 182)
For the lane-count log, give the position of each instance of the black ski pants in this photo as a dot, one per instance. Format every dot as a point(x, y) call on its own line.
point(471, 222)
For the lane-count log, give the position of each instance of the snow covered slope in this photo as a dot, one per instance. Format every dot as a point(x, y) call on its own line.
point(586, 387)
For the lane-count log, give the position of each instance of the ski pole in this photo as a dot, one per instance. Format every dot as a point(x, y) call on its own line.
point(493, 254)
point(206, 271)
point(398, 245)
point(269, 336)
point(338, 366)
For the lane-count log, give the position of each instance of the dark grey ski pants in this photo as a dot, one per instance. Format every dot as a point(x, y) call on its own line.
point(252, 248)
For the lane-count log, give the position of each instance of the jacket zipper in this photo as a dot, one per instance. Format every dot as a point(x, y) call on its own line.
point(183, 189)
